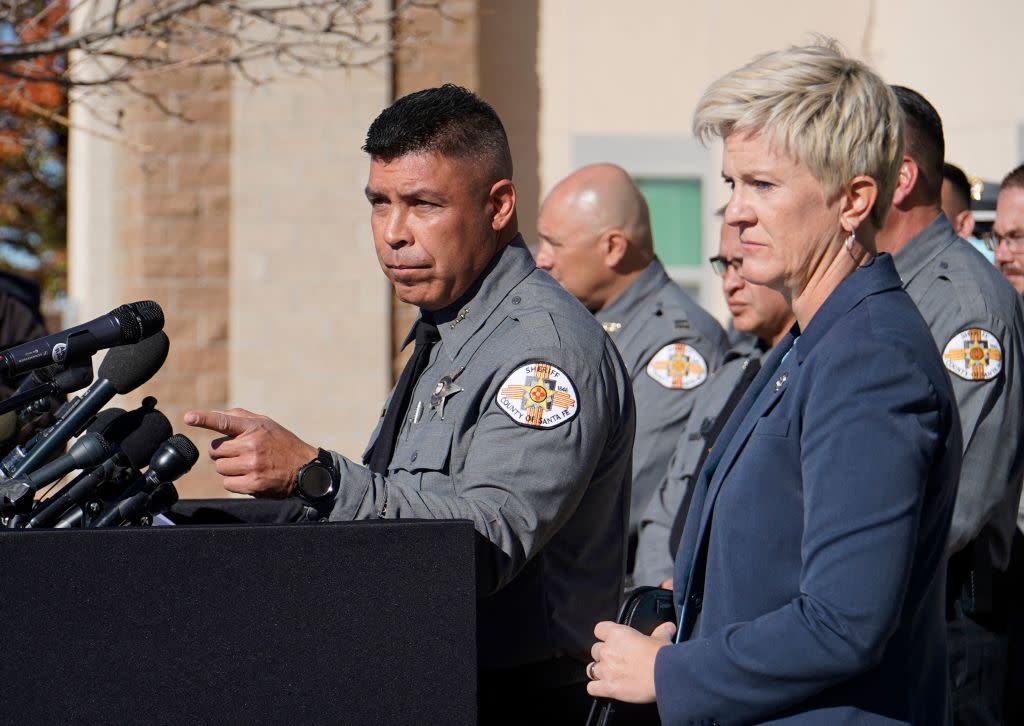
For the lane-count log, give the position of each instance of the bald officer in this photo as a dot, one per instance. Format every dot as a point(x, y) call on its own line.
point(976, 321)
point(514, 411)
point(595, 239)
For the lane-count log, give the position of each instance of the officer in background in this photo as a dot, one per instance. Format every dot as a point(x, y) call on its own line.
point(976, 321)
point(763, 317)
point(1007, 237)
point(595, 239)
point(956, 205)
point(514, 410)
point(1006, 240)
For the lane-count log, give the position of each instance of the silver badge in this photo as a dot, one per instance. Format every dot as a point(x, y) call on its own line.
point(445, 387)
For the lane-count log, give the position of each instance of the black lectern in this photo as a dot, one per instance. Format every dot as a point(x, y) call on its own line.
point(352, 623)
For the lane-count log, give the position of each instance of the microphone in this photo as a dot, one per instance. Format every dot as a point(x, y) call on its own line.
point(17, 494)
point(136, 435)
point(140, 504)
point(50, 381)
point(172, 460)
point(123, 370)
point(127, 324)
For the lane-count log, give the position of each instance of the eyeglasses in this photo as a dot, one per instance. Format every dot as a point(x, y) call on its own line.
point(1015, 241)
point(720, 264)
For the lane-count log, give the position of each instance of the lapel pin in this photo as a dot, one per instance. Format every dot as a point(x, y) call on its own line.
point(781, 381)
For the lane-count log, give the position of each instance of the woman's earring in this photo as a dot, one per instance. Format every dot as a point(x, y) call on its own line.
point(850, 240)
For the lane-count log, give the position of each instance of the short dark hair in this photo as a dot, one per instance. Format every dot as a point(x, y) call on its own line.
point(958, 180)
point(449, 121)
point(1014, 179)
point(922, 134)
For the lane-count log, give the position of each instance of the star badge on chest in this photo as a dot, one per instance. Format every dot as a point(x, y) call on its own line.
point(445, 388)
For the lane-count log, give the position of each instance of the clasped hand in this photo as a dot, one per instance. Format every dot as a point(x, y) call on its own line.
point(623, 666)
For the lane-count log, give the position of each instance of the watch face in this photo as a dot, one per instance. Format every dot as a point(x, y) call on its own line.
point(315, 482)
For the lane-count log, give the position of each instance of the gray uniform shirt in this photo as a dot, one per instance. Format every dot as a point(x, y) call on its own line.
point(958, 291)
point(654, 560)
point(657, 329)
point(532, 444)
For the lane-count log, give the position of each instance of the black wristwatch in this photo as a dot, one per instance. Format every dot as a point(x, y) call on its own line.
point(317, 482)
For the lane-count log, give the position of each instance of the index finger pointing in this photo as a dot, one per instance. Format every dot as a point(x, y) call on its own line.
point(217, 421)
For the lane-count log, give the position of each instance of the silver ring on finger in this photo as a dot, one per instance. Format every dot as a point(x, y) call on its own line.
point(592, 671)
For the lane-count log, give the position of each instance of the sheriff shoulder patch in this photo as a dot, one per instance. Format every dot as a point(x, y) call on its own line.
point(974, 355)
point(538, 395)
point(679, 366)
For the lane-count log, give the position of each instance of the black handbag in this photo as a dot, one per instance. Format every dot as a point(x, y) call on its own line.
point(645, 609)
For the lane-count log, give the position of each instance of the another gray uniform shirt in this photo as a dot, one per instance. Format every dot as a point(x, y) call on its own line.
point(655, 326)
point(654, 560)
point(533, 446)
point(957, 290)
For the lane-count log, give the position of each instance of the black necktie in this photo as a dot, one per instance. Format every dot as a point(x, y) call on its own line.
point(384, 446)
point(709, 440)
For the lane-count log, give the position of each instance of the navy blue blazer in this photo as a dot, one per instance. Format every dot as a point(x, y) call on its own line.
point(811, 572)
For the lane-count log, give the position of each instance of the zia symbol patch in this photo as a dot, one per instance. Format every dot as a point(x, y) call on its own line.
point(678, 365)
point(538, 395)
point(973, 354)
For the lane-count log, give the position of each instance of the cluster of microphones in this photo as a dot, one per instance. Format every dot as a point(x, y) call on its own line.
point(127, 461)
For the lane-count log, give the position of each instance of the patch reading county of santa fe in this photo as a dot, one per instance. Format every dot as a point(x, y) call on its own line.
point(538, 395)
point(678, 365)
point(974, 354)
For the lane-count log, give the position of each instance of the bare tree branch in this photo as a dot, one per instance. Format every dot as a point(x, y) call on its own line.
point(144, 36)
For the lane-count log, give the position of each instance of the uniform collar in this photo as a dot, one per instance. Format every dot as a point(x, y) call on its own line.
point(746, 346)
point(876, 276)
point(629, 302)
point(460, 320)
point(924, 247)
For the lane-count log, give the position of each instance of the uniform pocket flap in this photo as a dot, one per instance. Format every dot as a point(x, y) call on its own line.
point(426, 448)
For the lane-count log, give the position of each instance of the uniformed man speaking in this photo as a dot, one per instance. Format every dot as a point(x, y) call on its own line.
point(595, 239)
point(514, 410)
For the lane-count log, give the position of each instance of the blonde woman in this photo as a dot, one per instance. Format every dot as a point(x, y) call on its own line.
point(810, 575)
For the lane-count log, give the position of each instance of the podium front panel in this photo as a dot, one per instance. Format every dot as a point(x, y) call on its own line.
point(353, 623)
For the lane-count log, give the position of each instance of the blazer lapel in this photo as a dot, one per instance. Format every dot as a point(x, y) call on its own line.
point(761, 396)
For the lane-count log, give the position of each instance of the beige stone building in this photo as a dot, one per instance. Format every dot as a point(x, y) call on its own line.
point(248, 225)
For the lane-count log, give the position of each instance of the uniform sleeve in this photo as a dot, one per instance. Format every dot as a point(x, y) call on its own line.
point(663, 412)
point(654, 558)
point(871, 429)
point(519, 484)
point(991, 414)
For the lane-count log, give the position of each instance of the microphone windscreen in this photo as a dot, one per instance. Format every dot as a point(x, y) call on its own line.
point(103, 421)
point(150, 315)
point(129, 366)
point(139, 434)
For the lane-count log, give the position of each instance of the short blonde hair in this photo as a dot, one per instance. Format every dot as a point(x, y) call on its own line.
point(830, 112)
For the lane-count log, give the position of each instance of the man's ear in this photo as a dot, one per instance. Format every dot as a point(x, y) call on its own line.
point(614, 245)
point(859, 198)
point(906, 180)
point(963, 225)
point(502, 198)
